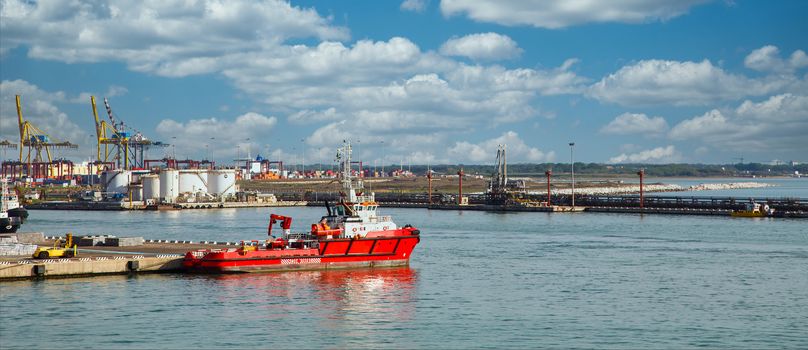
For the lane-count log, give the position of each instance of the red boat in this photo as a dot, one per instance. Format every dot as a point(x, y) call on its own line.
point(351, 235)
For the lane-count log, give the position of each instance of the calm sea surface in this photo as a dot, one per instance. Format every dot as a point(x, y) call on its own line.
point(476, 280)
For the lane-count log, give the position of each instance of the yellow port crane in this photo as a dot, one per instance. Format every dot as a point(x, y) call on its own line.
point(107, 135)
point(35, 140)
point(127, 150)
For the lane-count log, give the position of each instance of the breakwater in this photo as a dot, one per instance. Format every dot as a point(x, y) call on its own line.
point(654, 188)
point(679, 205)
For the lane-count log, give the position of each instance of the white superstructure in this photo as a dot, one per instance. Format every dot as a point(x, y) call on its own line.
point(357, 213)
point(9, 200)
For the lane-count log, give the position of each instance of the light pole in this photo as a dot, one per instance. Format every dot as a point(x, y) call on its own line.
point(572, 171)
point(383, 156)
point(641, 173)
point(214, 150)
point(173, 150)
point(303, 162)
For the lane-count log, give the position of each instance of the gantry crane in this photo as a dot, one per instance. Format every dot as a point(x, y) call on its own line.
point(7, 144)
point(107, 135)
point(500, 188)
point(35, 140)
point(4, 144)
point(127, 150)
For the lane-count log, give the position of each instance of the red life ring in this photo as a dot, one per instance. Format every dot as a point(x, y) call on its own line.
point(354, 229)
point(385, 228)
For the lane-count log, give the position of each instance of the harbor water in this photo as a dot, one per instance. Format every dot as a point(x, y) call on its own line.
point(476, 280)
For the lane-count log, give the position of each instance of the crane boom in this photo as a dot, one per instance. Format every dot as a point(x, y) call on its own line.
point(111, 116)
point(286, 223)
point(21, 123)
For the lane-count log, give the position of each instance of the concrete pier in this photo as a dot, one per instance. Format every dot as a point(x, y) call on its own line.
point(28, 268)
point(149, 257)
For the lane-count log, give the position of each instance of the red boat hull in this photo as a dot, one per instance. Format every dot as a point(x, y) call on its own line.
point(380, 251)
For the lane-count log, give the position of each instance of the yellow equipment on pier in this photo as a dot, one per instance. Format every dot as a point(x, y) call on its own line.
point(59, 250)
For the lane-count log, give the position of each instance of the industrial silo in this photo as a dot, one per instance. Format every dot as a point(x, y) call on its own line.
point(169, 185)
point(151, 186)
point(136, 192)
point(116, 181)
point(193, 181)
point(222, 182)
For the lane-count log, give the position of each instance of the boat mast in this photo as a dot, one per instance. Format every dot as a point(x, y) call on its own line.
point(347, 179)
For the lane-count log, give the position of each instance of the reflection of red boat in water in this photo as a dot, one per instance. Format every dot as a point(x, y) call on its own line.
point(351, 235)
point(330, 297)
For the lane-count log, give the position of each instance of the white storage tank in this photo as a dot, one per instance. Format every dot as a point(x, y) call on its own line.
point(151, 186)
point(193, 181)
point(137, 192)
point(169, 185)
point(138, 174)
point(222, 182)
point(116, 181)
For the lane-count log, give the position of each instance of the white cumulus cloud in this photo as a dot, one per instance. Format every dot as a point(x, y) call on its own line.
point(561, 13)
point(658, 82)
point(171, 37)
point(777, 109)
point(767, 59)
point(386, 88)
point(392, 85)
point(709, 123)
point(221, 136)
point(485, 152)
point(483, 46)
point(635, 123)
point(312, 116)
point(657, 155)
point(772, 125)
point(414, 5)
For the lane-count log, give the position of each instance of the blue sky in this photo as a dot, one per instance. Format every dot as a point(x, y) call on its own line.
point(654, 81)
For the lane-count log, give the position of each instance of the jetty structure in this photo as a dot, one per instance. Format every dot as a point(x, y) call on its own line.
point(96, 255)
